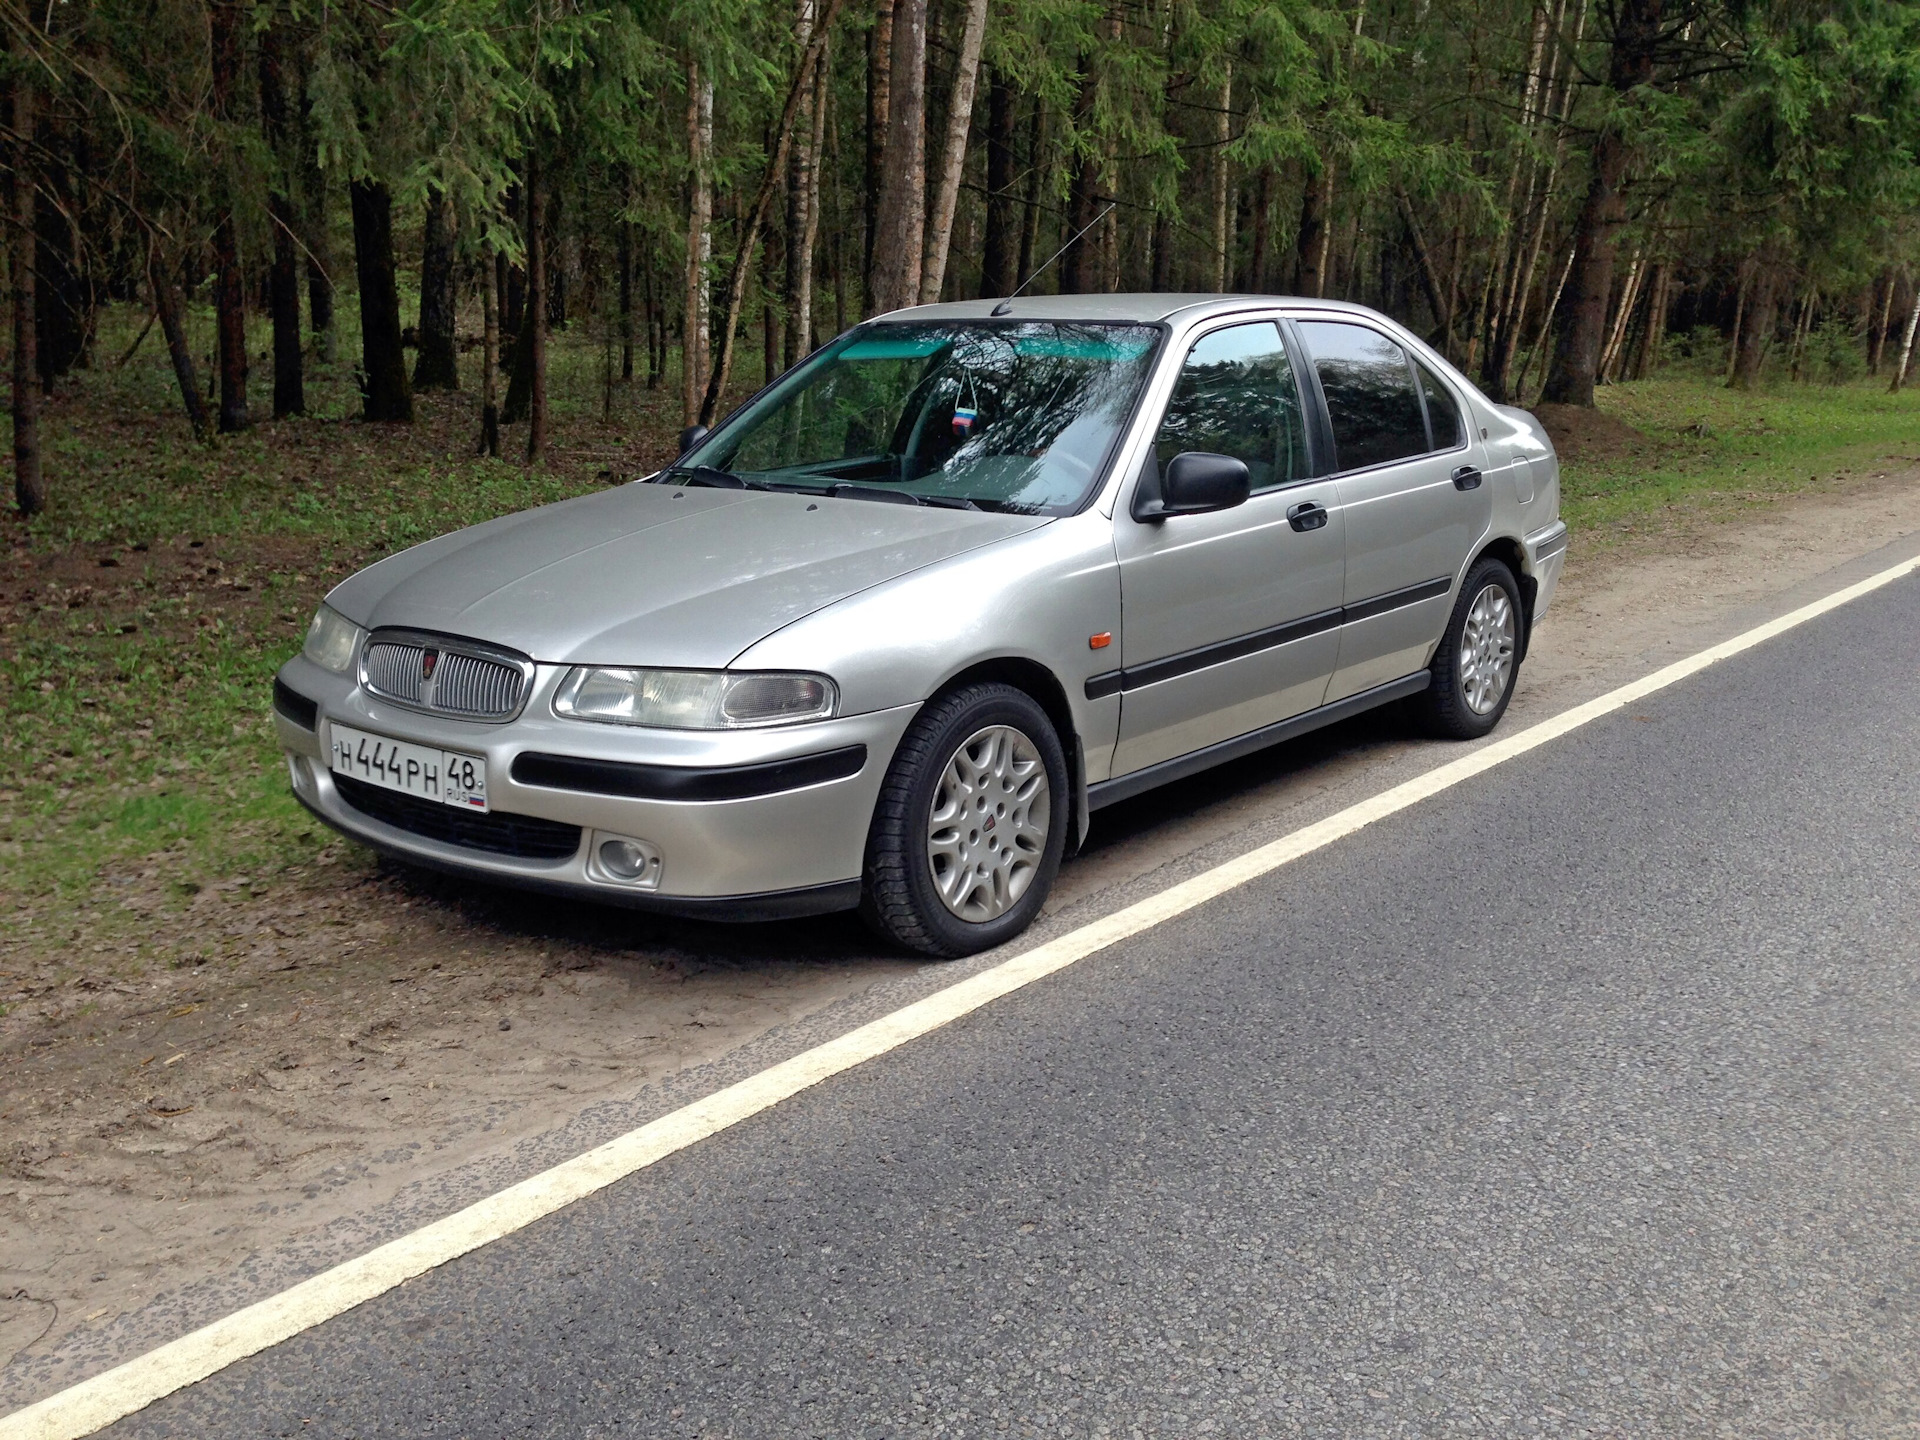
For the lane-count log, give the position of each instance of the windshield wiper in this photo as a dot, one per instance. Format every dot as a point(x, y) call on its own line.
point(844, 491)
point(710, 477)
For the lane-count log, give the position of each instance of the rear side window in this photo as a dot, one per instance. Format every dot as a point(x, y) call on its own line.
point(1443, 414)
point(1370, 396)
point(1236, 396)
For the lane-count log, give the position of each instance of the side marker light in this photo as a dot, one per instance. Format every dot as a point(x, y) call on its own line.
point(1100, 641)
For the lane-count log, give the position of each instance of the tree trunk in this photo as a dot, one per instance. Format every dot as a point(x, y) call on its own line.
point(29, 480)
point(799, 182)
point(800, 326)
point(1262, 231)
point(879, 110)
point(283, 286)
point(489, 355)
point(656, 322)
point(513, 283)
point(1162, 276)
point(1636, 38)
point(387, 395)
point(229, 302)
point(953, 156)
point(1030, 202)
point(230, 286)
point(316, 234)
point(900, 221)
point(1797, 350)
point(1077, 262)
point(1762, 317)
point(536, 327)
point(623, 258)
point(1880, 316)
point(693, 362)
point(1429, 278)
point(1546, 325)
point(1653, 331)
point(170, 306)
point(1622, 318)
point(1310, 246)
point(1906, 345)
point(283, 280)
point(1000, 253)
point(1223, 133)
point(62, 290)
point(722, 368)
point(436, 365)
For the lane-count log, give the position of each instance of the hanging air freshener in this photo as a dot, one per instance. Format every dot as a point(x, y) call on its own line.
point(965, 414)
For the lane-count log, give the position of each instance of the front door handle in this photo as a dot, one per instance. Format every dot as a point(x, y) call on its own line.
point(1466, 478)
point(1307, 516)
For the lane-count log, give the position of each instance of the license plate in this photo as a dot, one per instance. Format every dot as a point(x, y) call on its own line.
point(445, 776)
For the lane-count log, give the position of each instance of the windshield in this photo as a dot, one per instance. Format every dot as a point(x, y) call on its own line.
point(1017, 416)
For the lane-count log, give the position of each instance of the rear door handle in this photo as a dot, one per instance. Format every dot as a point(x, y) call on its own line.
point(1466, 478)
point(1307, 516)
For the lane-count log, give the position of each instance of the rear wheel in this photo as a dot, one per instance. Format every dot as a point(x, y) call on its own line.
point(971, 823)
point(1479, 657)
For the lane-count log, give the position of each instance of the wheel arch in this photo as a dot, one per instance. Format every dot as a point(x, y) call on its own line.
point(1509, 551)
point(1044, 686)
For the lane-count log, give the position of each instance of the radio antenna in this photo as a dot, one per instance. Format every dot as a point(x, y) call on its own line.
point(1007, 304)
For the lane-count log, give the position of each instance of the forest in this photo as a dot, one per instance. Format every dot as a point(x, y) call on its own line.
point(1559, 193)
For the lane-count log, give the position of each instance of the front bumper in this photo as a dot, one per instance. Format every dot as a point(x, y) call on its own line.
point(796, 850)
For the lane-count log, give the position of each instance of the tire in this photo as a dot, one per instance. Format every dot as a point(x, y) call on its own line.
point(1478, 661)
point(949, 889)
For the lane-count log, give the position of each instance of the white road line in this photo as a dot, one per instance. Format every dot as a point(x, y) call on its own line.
point(107, 1397)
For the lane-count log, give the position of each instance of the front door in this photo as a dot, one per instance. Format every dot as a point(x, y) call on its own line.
point(1231, 618)
point(1415, 501)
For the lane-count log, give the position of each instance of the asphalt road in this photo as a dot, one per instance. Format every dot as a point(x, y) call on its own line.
point(1580, 1099)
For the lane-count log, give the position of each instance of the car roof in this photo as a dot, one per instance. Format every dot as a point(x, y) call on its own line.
point(1125, 307)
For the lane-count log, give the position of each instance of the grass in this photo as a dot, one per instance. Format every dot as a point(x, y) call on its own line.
point(1711, 449)
point(143, 615)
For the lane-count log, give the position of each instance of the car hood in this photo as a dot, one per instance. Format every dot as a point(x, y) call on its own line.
point(654, 575)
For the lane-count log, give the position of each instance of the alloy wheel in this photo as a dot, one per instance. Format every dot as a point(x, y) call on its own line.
point(1486, 649)
point(987, 828)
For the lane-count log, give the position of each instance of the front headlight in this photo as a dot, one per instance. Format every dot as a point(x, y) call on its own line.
point(694, 699)
point(332, 640)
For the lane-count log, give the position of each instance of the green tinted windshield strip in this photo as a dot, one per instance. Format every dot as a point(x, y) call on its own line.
point(879, 349)
point(1079, 348)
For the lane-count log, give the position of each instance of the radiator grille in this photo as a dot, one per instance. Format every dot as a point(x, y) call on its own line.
point(447, 679)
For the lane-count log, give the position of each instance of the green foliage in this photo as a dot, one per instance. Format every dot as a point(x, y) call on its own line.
point(1832, 354)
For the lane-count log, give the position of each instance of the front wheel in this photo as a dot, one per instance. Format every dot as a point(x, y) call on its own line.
point(1479, 657)
point(970, 826)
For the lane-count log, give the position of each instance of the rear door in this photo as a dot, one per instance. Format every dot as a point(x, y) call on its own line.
point(1410, 484)
point(1230, 617)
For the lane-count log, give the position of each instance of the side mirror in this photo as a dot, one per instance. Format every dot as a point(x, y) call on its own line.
point(1194, 483)
point(692, 436)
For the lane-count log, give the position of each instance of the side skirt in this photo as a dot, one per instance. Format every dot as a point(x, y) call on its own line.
point(1125, 787)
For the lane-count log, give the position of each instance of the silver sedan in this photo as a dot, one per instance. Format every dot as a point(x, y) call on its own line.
point(890, 634)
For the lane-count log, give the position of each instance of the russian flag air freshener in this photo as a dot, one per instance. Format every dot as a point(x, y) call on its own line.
point(963, 418)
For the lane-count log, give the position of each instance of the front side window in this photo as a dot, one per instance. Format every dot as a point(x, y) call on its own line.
point(1236, 396)
point(1017, 416)
point(1371, 401)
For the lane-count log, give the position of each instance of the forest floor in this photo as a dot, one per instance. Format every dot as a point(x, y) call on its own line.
point(222, 1026)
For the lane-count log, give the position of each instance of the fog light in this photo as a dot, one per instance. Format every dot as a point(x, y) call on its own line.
point(625, 862)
